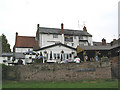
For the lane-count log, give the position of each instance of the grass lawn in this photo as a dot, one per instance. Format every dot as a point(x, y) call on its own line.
point(66, 84)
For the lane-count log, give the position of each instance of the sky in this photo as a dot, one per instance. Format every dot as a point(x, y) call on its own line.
point(22, 16)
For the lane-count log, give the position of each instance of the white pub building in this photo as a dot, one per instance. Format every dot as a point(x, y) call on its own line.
point(54, 43)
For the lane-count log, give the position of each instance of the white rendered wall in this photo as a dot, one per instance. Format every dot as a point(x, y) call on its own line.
point(90, 41)
point(76, 41)
point(22, 50)
point(57, 50)
point(47, 39)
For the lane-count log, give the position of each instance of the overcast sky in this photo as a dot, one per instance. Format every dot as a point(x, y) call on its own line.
point(22, 16)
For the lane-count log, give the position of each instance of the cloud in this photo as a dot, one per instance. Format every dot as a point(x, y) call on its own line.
point(22, 16)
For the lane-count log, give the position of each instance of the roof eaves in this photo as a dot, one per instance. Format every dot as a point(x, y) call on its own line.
point(55, 45)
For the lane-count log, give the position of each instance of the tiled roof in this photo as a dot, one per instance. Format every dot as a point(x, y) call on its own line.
point(26, 42)
point(116, 42)
point(99, 47)
point(95, 47)
point(66, 31)
point(100, 44)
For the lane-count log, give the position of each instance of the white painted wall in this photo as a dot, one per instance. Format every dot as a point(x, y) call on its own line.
point(22, 50)
point(90, 40)
point(57, 50)
point(47, 39)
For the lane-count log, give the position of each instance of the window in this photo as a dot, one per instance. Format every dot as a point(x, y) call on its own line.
point(72, 44)
point(54, 55)
point(64, 56)
point(47, 56)
point(67, 56)
point(68, 38)
point(58, 56)
point(65, 43)
point(9, 58)
point(28, 49)
point(74, 37)
point(80, 37)
point(55, 36)
point(81, 44)
point(70, 55)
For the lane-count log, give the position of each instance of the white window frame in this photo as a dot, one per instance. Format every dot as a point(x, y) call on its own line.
point(55, 36)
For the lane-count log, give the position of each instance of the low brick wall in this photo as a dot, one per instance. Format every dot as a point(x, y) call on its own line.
point(115, 70)
point(57, 72)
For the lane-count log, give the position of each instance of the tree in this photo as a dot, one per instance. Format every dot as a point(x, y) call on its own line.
point(5, 44)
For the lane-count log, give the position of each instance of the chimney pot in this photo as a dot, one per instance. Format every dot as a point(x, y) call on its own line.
point(84, 28)
point(16, 38)
point(103, 41)
point(114, 39)
point(37, 26)
point(16, 34)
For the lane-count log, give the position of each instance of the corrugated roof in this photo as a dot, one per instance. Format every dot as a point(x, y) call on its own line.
point(46, 30)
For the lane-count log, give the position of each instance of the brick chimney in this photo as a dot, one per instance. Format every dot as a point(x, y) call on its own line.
point(62, 33)
point(16, 37)
point(114, 40)
point(104, 42)
point(16, 34)
point(84, 28)
point(62, 28)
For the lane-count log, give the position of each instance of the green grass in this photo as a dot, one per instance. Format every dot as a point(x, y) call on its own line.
point(77, 84)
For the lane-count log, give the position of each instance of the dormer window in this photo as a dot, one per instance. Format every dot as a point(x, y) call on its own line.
point(55, 36)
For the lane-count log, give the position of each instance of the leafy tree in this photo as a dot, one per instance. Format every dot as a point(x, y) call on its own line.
point(5, 44)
